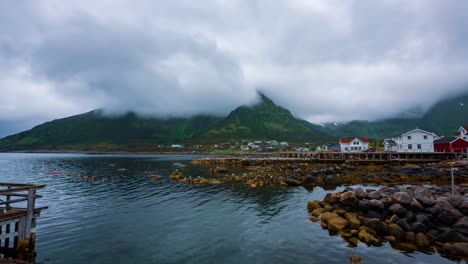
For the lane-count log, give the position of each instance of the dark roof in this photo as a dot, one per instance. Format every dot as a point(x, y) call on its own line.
point(347, 140)
point(444, 140)
point(391, 142)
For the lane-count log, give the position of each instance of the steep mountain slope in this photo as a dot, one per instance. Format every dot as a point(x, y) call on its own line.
point(93, 129)
point(264, 120)
point(444, 118)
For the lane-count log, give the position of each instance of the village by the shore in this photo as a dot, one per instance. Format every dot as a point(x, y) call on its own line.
point(413, 206)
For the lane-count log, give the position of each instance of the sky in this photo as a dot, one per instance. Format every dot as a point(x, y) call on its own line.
point(325, 60)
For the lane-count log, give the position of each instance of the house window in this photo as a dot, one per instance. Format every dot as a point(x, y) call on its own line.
point(410, 146)
point(425, 137)
point(419, 146)
point(346, 148)
point(409, 137)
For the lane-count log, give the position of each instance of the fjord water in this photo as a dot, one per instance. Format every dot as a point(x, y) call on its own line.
point(142, 219)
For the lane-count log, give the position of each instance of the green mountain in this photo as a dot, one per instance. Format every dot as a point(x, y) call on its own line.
point(265, 121)
point(96, 131)
point(444, 118)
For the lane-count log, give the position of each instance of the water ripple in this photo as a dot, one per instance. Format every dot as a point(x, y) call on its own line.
point(123, 216)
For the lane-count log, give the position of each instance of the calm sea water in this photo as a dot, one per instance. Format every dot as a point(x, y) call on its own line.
point(138, 219)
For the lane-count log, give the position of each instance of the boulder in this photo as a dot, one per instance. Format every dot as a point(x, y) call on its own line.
point(292, 182)
point(422, 241)
point(461, 225)
point(312, 205)
point(402, 198)
point(423, 219)
point(395, 231)
point(360, 193)
point(331, 198)
point(444, 204)
point(368, 237)
point(309, 181)
point(394, 219)
point(337, 224)
point(409, 236)
point(348, 198)
point(404, 224)
point(456, 249)
point(451, 236)
point(410, 217)
point(328, 208)
point(317, 212)
point(327, 216)
point(376, 225)
point(377, 205)
point(449, 217)
point(353, 221)
point(456, 200)
point(340, 212)
point(435, 210)
point(374, 195)
point(397, 209)
point(363, 205)
point(418, 227)
point(331, 180)
point(463, 208)
point(415, 205)
point(424, 196)
point(373, 214)
point(176, 175)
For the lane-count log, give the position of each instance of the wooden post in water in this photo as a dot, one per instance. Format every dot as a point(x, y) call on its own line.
point(23, 218)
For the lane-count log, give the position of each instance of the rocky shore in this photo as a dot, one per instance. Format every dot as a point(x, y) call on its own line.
point(283, 172)
point(411, 217)
point(411, 206)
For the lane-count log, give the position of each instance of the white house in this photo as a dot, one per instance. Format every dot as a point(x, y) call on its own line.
point(416, 140)
point(354, 144)
point(462, 133)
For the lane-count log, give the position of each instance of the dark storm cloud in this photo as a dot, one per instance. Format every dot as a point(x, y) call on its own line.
point(324, 60)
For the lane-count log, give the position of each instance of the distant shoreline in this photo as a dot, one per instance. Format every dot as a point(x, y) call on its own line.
point(136, 152)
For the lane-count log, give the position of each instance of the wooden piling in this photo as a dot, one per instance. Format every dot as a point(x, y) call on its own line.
point(22, 217)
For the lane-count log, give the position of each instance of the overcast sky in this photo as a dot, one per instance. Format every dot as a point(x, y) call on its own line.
point(325, 60)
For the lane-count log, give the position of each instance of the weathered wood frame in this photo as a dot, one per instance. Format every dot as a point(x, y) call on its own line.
point(18, 221)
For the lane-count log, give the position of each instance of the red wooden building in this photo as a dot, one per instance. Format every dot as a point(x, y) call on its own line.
point(451, 144)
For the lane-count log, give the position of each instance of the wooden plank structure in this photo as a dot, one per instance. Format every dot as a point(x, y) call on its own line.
point(370, 157)
point(18, 216)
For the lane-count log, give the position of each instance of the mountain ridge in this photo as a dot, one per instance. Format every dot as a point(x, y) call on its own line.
point(91, 130)
point(261, 121)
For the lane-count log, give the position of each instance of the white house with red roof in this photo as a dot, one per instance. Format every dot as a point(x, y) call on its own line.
point(462, 133)
point(416, 140)
point(354, 144)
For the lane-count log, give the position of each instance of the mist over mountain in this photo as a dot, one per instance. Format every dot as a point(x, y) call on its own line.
point(263, 120)
point(443, 118)
point(96, 130)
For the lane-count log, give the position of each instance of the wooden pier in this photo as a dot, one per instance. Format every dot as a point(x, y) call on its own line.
point(18, 215)
point(370, 157)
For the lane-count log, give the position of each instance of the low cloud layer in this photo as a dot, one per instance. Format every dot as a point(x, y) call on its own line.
point(324, 60)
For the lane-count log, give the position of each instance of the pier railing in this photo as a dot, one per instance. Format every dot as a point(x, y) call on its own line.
point(369, 156)
point(18, 214)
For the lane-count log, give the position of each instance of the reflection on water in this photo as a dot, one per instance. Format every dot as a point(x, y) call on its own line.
point(108, 209)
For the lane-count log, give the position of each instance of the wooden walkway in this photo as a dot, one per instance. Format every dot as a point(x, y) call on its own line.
point(370, 157)
point(18, 216)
